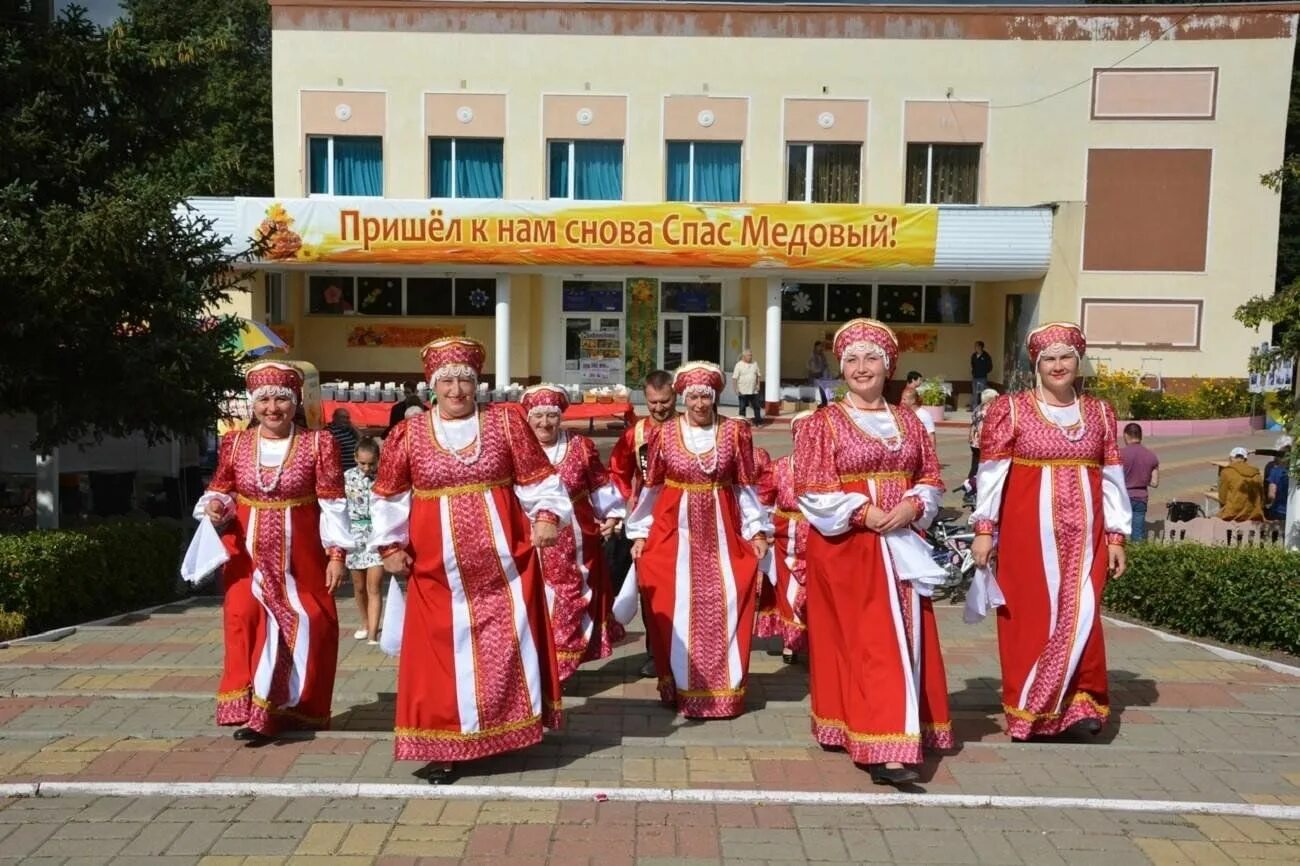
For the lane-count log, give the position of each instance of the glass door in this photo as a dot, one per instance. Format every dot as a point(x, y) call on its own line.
point(672, 342)
point(735, 337)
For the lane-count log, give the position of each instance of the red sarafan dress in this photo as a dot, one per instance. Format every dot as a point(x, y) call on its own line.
point(698, 511)
point(875, 668)
point(578, 591)
point(477, 674)
point(785, 619)
point(281, 627)
point(1051, 485)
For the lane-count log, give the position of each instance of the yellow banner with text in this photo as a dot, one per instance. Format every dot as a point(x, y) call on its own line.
point(566, 233)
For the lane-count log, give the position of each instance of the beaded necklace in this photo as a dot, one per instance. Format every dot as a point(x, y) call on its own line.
point(889, 443)
point(683, 426)
point(1072, 432)
point(279, 469)
point(440, 432)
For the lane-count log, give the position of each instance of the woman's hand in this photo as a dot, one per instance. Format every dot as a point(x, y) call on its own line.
point(899, 516)
point(336, 571)
point(759, 543)
point(1118, 559)
point(608, 528)
point(398, 562)
point(545, 532)
point(215, 511)
point(638, 548)
point(982, 550)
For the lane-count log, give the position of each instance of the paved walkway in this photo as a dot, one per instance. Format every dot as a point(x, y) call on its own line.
point(1200, 765)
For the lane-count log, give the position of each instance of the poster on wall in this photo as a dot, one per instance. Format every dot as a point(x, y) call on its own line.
point(399, 336)
point(1279, 377)
point(600, 358)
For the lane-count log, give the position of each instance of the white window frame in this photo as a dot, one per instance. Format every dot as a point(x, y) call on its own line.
point(329, 166)
point(809, 149)
point(568, 196)
point(690, 166)
point(455, 193)
point(929, 170)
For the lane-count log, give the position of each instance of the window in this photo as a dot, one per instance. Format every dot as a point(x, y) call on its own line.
point(943, 173)
point(345, 165)
point(465, 167)
point(703, 171)
point(818, 302)
point(277, 310)
point(825, 173)
point(592, 296)
point(379, 295)
point(690, 297)
point(930, 305)
point(587, 170)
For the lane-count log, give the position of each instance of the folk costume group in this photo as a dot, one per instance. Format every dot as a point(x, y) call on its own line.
point(497, 517)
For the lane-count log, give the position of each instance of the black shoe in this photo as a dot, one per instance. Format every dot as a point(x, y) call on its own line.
point(789, 657)
point(252, 737)
point(647, 670)
point(436, 775)
point(882, 775)
point(1088, 727)
point(827, 747)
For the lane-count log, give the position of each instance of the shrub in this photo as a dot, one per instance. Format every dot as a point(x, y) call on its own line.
point(1117, 387)
point(931, 392)
point(1237, 595)
point(60, 577)
point(12, 625)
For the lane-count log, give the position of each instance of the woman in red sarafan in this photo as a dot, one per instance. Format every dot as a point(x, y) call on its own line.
point(579, 596)
point(699, 532)
point(786, 617)
point(463, 498)
point(867, 477)
point(1053, 509)
point(277, 500)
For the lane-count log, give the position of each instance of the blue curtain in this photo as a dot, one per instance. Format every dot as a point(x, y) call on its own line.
point(440, 167)
point(478, 167)
point(358, 166)
point(717, 171)
point(679, 171)
point(318, 166)
point(559, 170)
point(598, 170)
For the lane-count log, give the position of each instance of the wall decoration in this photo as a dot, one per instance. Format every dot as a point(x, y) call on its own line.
point(918, 340)
point(642, 330)
point(399, 336)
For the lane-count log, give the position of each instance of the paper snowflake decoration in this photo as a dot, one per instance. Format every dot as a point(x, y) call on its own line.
point(801, 303)
point(478, 298)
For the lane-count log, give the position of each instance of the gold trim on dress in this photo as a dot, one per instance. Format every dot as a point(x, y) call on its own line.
point(695, 487)
point(1057, 461)
point(896, 475)
point(710, 693)
point(460, 736)
point(856, 737)
point(789, 515)
point(1079, 698)
point(436, 492)
point(288, 713)
point(266, 503)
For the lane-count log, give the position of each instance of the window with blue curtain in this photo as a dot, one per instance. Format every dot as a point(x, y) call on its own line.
point(703, 171)
point(318, 166)
point(358, 165)
point(466, 167)
point(679, 171)
point(558, 170)
point(598, 170)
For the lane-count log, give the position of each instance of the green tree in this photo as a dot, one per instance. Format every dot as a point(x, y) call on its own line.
point(109, 284)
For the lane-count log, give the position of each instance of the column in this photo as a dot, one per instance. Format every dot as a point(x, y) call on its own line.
point(47, 490)
point(772, 351)
point(503, 331)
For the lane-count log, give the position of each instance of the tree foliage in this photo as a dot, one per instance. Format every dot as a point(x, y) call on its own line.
point(109, 283)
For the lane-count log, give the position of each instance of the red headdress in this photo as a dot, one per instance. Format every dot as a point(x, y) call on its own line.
point(544, 398)
point(1064, 334)
point(275, 378)
point(870, 335)
point(458, 357)
point(699, 375)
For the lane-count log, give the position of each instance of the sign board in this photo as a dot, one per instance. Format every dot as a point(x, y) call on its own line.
point(600, 358)
point(1279, 377)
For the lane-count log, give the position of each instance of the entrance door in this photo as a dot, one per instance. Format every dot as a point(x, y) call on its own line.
point(672, 342)
point(684, 337)
point(735, 338)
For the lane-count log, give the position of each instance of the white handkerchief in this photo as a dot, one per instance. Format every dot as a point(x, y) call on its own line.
point(984, 595)
point(913, 558)
point(205, 554)
point(625, 603)
point(390, 634)
point(768, 567)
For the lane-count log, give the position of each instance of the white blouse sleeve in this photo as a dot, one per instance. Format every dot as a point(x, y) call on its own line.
point(227, 501)
point(830, 513)
point(990, 480)
point(390, 520)
point(755, 517)
point(548, 494)
point(607, 501)
point(335, 527)
point(1117, 510)
point(643, 515)
point(931, 498)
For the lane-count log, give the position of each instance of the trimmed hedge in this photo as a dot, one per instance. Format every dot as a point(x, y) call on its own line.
point(12, 625)
point(1248, 596)
point(66, 576)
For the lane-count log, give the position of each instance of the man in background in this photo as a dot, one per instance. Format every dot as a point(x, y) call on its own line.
point(1277, 481)
point(981, 366)
point(747, 380)
point(346, 436)
point(1141, 472)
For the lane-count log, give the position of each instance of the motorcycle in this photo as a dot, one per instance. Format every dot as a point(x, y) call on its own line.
point(950, 545)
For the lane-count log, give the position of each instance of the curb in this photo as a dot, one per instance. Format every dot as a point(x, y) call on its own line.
point(56, 634)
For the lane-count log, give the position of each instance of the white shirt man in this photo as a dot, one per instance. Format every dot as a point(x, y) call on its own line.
point(747, 380)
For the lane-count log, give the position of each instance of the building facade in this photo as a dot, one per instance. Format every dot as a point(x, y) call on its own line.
point(1098, 164)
